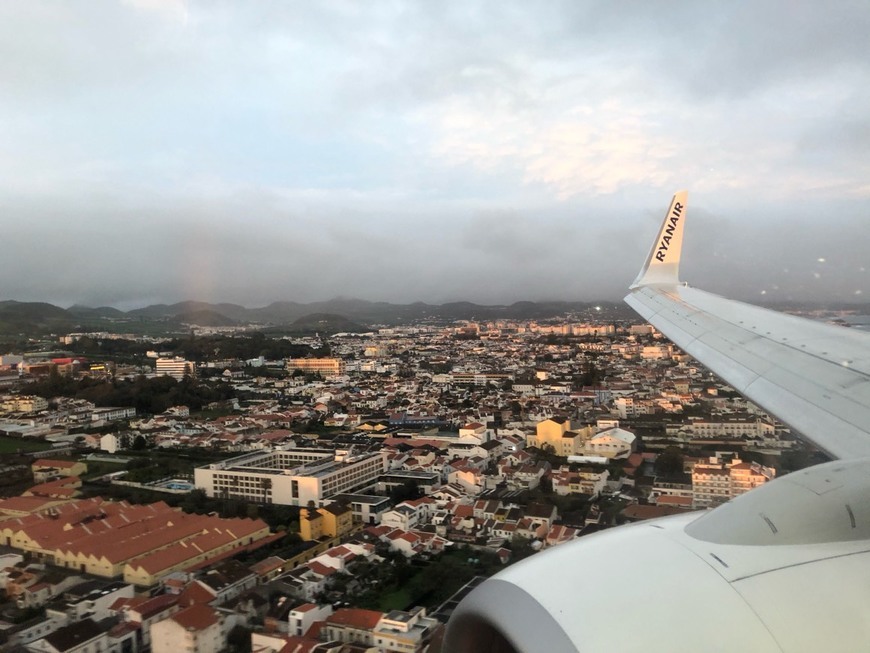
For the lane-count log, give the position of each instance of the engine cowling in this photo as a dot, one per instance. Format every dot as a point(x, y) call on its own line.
point(782, 568)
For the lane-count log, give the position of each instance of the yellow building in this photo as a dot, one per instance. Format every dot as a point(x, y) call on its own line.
point(373, 427)
point(557, 433)
point(46, 469)
point(333, 520)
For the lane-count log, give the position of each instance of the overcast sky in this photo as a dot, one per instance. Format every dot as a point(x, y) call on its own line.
point(161, 150)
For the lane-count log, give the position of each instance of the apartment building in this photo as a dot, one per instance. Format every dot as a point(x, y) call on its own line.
point(196, 629)
point(176, 367)
point(288, 476)
point(333, 520)
point(366, 508)
point(322, 366)
point(22, 404)
point(718, 481)
point(733, 428)
point(479, 378)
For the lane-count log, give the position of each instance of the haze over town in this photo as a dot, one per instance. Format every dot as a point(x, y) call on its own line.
point(155, 151)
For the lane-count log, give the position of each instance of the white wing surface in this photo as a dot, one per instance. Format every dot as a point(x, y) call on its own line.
point(781, 569)
point(812, 376)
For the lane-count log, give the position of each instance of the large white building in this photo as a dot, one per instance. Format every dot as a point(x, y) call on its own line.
point(733, 428)
point(176, 367)
point(289, 476)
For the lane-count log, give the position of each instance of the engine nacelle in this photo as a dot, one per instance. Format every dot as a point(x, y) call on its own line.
point(785, 567)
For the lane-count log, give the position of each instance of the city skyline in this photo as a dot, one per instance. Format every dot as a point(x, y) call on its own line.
point(156, 152)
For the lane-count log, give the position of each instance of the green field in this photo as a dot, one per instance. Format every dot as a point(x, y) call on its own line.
point(398, 600)
point(13, 445)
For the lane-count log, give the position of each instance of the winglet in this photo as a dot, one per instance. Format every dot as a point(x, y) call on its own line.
point(662, 266)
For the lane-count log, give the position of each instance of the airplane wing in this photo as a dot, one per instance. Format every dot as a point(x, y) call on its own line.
point(780, 569)
point(812, 376)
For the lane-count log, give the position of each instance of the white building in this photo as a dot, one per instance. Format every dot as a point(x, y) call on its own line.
point(197, 629)
point(23, 404)
point(301, 618)
point(408, 514)
point(103, 415)
point(612, 443)
point(176, 367)
point(288, 476)
point(733, 428)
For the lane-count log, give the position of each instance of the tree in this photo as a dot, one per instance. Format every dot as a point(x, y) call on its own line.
point(591, 376)
point(408, 490)
point(239, 640)
point(546, 484)
point(669, 462)
point(195, 501)
point(521, 547)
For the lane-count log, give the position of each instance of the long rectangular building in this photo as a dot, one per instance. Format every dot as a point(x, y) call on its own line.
point(140, 542)
point(288, 476)
point(323, 366)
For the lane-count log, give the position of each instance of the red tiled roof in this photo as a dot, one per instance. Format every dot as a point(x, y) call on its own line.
point(320, 569)
point(378, 531)
point(265, 566)
point(196, 593)
point(649, 512)
point(25, 504)
point(305, 607)
point(123, 602)
point(355, 618)
point(48, 462)
point(123, 628)
point(666, 500)
point(314, 631)
point(155, 605)
point(196, 617)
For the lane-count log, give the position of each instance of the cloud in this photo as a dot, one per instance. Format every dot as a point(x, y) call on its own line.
point(174, 10)
point(489, 151)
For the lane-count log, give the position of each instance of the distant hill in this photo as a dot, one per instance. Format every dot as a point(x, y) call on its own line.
point(20, 317)
point(87, 312)
point(326, 323)
point(335, 315)
point(32, 310)
point(164, 311)
point(279, 312)
point(205, 318)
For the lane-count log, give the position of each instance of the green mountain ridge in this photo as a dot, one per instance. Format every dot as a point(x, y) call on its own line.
point(359, 315)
